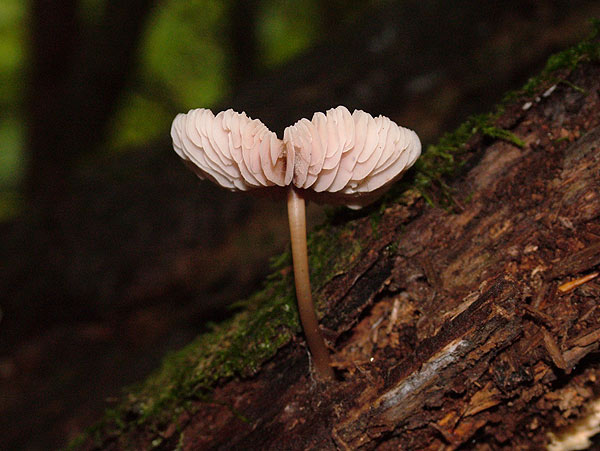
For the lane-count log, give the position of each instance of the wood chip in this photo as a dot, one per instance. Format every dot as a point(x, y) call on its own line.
point(569, 286)
point(554, 351)
point(587, 338)
point(393, 316)
point(483, 400)
point(577, 263)
point(539, 315)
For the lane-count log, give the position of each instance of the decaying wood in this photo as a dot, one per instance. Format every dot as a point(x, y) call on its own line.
point(476, 335)
point(451, 329)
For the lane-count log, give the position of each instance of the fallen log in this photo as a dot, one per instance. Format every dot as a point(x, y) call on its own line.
point(460, 313)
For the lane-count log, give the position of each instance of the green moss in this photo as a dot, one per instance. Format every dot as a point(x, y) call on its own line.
point(441, 161)
point(573, 86)
point(375, 220)
point(330, 249)
point(585, 51)
point(77, 442)
point(500, 133)
point(235, 348)
point(567, 60)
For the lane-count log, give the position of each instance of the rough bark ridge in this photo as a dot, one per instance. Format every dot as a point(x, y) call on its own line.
point(475, 326)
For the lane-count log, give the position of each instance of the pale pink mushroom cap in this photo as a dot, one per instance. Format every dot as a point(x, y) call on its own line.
point(230, 149)
point(349, 158)
point(337, 157)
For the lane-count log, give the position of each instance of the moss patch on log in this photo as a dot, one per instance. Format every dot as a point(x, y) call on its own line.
point(442, 161)
point(235, 348)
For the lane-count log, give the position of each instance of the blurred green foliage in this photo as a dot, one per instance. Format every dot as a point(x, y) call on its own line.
point(185, 60)
point(12, 62)
point(183, 63)
point(287, 28)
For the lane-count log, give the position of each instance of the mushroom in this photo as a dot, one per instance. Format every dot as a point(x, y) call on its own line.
point(336, 158)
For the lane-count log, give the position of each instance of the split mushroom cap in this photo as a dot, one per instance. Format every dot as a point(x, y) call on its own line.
point(338, 157)
point(231, 149)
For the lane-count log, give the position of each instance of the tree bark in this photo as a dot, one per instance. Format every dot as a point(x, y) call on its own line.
point(474, 326)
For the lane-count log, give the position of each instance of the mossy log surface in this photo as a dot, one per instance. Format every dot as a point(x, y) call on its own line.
point(471, 322)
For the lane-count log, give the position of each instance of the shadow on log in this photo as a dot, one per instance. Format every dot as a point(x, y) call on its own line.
point(476, 325)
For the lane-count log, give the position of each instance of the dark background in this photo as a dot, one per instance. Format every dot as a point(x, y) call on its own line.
point(112, 252)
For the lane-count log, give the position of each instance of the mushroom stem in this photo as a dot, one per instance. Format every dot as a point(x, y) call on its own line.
point(308, 317)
